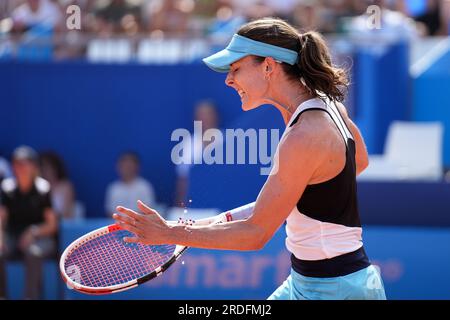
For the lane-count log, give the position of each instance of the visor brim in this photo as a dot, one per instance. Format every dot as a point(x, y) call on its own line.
point(222, 60)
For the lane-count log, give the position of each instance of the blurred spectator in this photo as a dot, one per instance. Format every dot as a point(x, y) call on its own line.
point(307, 16)
point(205, 112)
point(28, 221)
point(62, 190)
point(5, 170)
point(118, 16)
point(433, 18)
point(170, 17)
point(241, 7)
point(130, 188)
point(225, 24)
point(337, 13)
point(282, 9)
point(34, 13)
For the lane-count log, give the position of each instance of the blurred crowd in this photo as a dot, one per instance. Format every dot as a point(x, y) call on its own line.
point(216, 19)
point(37, 194)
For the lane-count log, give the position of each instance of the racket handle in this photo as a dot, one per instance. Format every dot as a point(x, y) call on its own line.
point(240, 213)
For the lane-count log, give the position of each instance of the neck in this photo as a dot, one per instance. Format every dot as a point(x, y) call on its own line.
point(288, 101)
point(129, 180)
point(25, 185)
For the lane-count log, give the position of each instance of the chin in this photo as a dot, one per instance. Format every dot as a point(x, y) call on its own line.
point(249, 106)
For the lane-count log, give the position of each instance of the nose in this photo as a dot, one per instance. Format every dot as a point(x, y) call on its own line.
point(229, 79)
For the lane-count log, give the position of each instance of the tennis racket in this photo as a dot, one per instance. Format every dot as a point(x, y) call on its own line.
point(100, 262)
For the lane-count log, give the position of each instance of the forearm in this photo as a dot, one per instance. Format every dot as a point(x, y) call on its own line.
point(238, 235)
point(150, 228)
point(240, 213)
point(43, 230)
point(48, 227)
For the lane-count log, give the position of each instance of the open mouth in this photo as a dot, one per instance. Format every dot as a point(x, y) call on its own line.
point(241, 93)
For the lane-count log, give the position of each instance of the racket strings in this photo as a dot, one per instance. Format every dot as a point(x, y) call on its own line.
point(108, 260)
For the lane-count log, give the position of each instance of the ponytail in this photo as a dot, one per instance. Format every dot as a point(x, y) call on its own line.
point(317, 73)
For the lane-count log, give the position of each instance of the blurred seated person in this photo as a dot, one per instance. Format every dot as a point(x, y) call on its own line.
point(433, 18)
point(36, 12)
point(118, 16)
point(29, 224)
point(130, 188)
point(206, 113)
point(62, 190)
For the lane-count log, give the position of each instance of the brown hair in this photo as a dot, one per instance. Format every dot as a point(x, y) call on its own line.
point(314, 65)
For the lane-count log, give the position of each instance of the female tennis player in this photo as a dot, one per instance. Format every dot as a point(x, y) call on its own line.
point(313, 184)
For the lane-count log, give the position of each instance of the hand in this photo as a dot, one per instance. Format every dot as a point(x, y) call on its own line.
point(148, 227)
point(26, 239)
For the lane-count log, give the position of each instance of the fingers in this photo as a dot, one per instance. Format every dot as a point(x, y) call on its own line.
point(123, 218)
point(132, 240)
point(130, 228)
point(128, 223)
point(129, 212)
point(145, 209)
point(149, 211)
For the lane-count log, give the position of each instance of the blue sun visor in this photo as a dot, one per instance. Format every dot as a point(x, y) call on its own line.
point(240, 47)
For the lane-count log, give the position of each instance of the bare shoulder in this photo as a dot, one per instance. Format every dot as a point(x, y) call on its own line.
point(316, 142)
point(314, 132)
point(314, 128)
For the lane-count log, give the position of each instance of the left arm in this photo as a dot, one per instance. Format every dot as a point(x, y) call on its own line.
point(49, 226)
point(46, 229)
point(299, 156)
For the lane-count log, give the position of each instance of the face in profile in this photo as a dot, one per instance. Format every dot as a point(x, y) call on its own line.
point(246, 76)
point(48, 172)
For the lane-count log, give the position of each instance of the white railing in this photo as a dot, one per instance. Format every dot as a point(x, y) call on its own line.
point(143, 49)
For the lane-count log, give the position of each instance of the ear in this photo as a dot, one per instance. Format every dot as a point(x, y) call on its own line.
point(269, 65)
